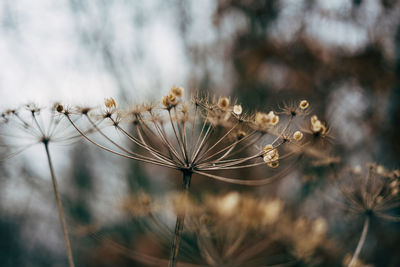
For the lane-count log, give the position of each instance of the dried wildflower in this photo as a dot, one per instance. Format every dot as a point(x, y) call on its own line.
point(194, 138)
point(371, 194)
point(237, 109)
point(298, 135)
point(236, 229)
point(30, 125)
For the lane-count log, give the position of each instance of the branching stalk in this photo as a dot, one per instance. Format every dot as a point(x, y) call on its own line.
point(59, 206)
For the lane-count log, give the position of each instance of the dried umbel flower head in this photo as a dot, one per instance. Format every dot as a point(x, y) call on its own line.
point(294, 109)
point(188, 149)
point(23, 127)
point(30, 125)
point(235, 229)
point(370, 193)
point(196, 138)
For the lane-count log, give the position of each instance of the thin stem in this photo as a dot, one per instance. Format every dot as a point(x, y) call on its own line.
point(59, 206)
point(360, 243)
point(180, 219)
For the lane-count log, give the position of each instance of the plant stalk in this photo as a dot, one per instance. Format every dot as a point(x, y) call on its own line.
point(360, 243)
point(180, 220)
point(59, 206)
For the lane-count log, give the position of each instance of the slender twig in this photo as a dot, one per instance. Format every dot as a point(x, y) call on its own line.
point(360, 243)
point(59, 206)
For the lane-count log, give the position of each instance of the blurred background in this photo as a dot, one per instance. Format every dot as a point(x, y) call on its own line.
point(341, 55)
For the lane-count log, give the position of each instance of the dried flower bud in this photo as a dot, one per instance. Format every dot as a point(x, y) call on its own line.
point(314, 119)
point(223, 103)
point(272, 210)
point(226, 206)
point(316, 126)
point(58, 107)
point(274, 164)
point(169, 101)
point(164, 101)
point(172, 100)
point(237, 109)
point(303, 104)
point(176, 91)
point(274, 120)
point(110, 103)
point(269, 119)
point(240, 135)
point(262, 118)
point(271, 154)
point(298, 136)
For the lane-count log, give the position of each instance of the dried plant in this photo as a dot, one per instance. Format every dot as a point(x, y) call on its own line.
point(235, 229)
point(202, 136)
point(370, 193)
point(30, 125)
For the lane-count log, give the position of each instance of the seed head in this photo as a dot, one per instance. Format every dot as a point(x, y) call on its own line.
point(271, 153)
point(110, 103)
point(303, 104)
point(176, 91)
point(237, 109)
point(169, 101)
point(58, 107)
point(317, 126)
point(262, 118)
point(298, 136)
point(223, 103)
point(267, 120)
